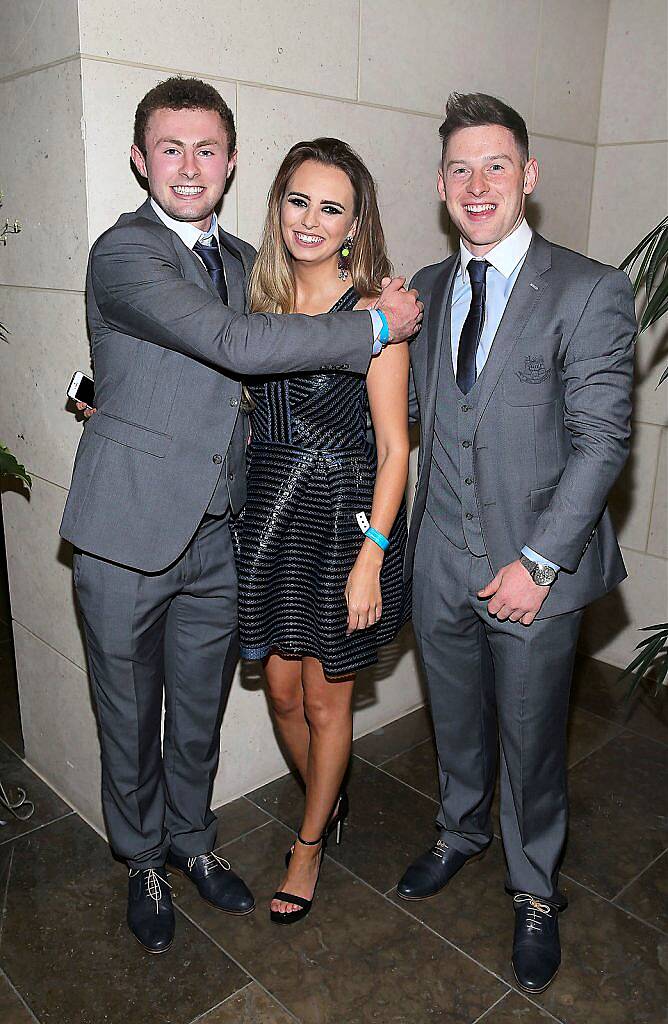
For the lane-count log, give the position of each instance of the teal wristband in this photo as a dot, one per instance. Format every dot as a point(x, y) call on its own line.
point(384, 335)
point(377, 537)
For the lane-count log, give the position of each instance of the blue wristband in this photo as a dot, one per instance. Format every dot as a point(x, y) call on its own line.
point(377, 537)
point(384, 335)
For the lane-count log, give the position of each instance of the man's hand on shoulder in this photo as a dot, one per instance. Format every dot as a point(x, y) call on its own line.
point(402, 308)
point(514, 595)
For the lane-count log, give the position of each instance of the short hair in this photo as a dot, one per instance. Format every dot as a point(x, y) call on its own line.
point(180, 93)
point(475, 109)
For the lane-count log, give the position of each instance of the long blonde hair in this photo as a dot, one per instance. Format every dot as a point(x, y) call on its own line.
point(272, 285)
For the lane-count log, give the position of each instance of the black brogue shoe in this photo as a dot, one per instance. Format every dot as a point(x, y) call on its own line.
point(216, 882)
point(150, 910)
point(536, 948)
point(432, 871)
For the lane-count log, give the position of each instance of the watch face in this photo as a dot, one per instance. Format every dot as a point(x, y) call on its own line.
point(544, 575)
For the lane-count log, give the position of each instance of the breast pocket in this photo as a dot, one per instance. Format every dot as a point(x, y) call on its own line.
point(532, 375)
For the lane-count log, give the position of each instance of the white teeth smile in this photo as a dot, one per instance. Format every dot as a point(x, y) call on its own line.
point(188, 190)
point(309, 239)
point(479, 207)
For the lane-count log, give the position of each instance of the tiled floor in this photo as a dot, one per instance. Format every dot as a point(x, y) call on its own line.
point(362, 955)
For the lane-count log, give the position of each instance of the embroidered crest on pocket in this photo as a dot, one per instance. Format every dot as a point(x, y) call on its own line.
point(534, 372)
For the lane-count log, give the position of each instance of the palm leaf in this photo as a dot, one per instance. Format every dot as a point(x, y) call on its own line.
point(9, 466)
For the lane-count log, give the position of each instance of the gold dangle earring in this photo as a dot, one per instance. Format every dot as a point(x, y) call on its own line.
point(344, 258)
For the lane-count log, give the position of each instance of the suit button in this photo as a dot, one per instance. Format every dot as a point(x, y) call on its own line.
point(230, 476)
point(466, 408)
point(466, 444)
point(217, 459)
point(469, 480)
point(469, 515)
point(234, 402)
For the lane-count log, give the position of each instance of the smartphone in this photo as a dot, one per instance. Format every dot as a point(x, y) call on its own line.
point(82, 389)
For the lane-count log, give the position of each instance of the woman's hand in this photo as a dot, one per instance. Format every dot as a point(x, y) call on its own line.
point(87, 410)
point(362, 592)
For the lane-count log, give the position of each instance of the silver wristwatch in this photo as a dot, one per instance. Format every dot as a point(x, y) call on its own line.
point(542, 575)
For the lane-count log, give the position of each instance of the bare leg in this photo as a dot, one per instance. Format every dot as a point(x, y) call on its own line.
point(286, 697)
point(328, 710)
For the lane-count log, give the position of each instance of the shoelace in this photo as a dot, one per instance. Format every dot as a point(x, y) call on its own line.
point(209, 860)
point(154, 885)
point(439, 849)
point(537, 907)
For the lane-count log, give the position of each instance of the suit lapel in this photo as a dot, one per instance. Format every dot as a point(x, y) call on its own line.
point(531, 283)
point(438, 336)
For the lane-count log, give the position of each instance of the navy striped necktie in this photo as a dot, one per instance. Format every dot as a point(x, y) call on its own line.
point(472, 329)
point(212, 260)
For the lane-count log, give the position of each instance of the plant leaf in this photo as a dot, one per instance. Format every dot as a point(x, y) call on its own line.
point(10, 467)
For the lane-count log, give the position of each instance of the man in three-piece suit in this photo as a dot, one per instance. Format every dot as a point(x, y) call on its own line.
point(159, 469)
point(522, 382)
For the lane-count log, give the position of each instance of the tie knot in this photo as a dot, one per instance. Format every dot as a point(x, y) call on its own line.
point(477, 271)
point(210, 256)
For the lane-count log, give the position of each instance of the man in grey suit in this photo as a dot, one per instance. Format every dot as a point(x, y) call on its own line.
point(522, 383)
point(159, 469)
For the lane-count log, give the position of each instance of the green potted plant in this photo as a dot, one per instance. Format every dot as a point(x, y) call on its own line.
point(647, 265)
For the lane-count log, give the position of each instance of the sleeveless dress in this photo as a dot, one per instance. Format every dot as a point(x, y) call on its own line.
point(311, 468)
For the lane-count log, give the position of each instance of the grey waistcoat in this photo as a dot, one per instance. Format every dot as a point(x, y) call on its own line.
point(451, 501)
point(230, 489)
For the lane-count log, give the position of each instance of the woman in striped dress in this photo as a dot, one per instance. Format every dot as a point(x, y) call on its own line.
point(317, 594)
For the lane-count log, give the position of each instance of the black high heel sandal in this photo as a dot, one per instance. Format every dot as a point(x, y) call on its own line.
point(288, 917)
point(335, 823)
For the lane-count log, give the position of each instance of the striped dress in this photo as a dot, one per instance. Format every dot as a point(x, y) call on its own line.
point(311, 469)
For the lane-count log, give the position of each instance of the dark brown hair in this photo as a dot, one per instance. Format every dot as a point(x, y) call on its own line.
point(474, 109)
point(272, 286)
point(182, 94)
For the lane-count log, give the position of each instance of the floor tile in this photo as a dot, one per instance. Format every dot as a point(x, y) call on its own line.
point(67, 949)
point(250, 1006)
point(388, 826)
point(394, 738)
point(15, 775)
point(236, 818)
point(12, 1010)
point(417, 767)
point(597, 688)
point(515, 1009)
point(611, 969)
point(648, 896)
point(618, 813)
point(586, 733)
point(354, 959)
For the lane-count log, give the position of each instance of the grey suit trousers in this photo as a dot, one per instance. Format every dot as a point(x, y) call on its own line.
point(489, 679)
point(171, 632)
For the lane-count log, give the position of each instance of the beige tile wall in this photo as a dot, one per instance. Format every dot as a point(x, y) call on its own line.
point(629, 197)
point(377, 75)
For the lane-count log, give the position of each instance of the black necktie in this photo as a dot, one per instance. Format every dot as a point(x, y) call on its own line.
point(472, 329)
point(211, 258)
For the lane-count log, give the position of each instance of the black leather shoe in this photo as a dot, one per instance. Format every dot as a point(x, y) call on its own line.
point(150, 910)
point(536, 948)
point(216, 882)
point(432, 871)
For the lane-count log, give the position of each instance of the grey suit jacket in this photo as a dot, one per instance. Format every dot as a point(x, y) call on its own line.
point(551, 432)
point(167, 357)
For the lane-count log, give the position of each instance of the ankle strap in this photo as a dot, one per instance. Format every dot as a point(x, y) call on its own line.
point(307, 842)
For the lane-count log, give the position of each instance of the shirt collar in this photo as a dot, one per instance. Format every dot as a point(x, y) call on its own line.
point(188, 233)
point(506, 255)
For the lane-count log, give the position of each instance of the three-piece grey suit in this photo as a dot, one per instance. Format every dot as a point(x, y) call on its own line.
point(158, 469)
point(527, 457)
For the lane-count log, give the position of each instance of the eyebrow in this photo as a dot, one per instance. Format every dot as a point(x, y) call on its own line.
point(495, 156)
point(323, 202)
point(179, 142)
